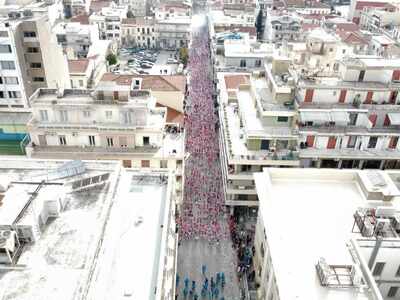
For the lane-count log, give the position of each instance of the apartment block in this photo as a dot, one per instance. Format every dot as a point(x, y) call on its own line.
point(356, 258)
point(258, 129)
point(76, 38)
point(140, 32)
point(108, 20)
point(350, 118)
point(28, 54)
point(173, 21)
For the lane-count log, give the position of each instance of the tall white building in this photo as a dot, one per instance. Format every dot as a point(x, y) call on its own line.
point(108, 20)
point(28, 53)
point(327, 234)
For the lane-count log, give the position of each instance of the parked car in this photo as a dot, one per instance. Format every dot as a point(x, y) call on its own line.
point(172, 61)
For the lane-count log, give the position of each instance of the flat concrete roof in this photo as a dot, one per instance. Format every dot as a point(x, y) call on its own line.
point(129, 263)
point(308, 214)
point(57, 265)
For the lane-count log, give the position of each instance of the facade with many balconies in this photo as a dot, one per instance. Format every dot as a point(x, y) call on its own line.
point(351, 118)
point(257, 128)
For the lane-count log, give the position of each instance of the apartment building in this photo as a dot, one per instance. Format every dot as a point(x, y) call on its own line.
point(348, 119)
point(358, 6)
point(376, 19)
point(87, 211)
point(239, 53)
point(28, 54)
point(76, 38)
point(324, 258)
point(140, 32)
point(137, 7)
point(108, 20)
point(282, 25)
point(257, 128)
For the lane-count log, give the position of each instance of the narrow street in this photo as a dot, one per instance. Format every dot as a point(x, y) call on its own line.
point(203, 223)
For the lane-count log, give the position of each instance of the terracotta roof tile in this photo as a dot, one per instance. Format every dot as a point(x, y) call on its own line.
point(96, 6)
point(77, 66)
point(173, 116)
point(233, 81)
point(361, 4)
point(153, 82)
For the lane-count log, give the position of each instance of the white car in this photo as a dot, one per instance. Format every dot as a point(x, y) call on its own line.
point(172, 61)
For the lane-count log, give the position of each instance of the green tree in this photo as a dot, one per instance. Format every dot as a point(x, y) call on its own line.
point(111, 59)
point(130, 14)
point(184, 55)
point(259, 21)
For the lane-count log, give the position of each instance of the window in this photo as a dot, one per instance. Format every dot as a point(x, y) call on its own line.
point(146, 141)
point(126, 117)
point(62, 140)
point(262, 251)
point(123, 141)
point(86, 113)
point(33, 50)
point(353, 118)
point(264, 144)
point(110, 142)
point(378, 268)
point(372, 142)
point(5, 48)
point(38, 79)
point(7, 65)
point(108, 114)
point(29, 34)
point(3, 33)
point(11, 80)
point(92, 140)
point(282, 119)
point(163, 164)
point(81, 83)
point(398, 272)
point(43, 115)
point(352, 141)
point(63, 116)
point(257, 63)
point(145, 163)
point(36, 65)
point(243, 63)
point(1, 94)
point(14, 94)
point(392, 291)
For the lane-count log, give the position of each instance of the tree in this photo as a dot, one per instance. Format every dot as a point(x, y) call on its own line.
point(111, 59)
point(130, 14)
point(184, 55)
point(259, 22)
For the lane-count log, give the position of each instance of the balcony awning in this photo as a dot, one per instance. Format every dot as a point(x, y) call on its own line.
point(394, 118)
point(340, 117)
point(315, 116)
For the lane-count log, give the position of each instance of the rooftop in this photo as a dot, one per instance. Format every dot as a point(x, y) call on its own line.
point(128, 265)
point(78, 66)
point(312, 201)
point(67, 244)
point(153, 82)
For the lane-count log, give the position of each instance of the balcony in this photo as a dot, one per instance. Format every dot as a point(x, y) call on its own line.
point(88, 152)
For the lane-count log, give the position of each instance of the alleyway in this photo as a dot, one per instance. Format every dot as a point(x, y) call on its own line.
point(204, 230)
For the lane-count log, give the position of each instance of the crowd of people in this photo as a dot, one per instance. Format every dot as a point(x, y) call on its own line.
point(202, 214)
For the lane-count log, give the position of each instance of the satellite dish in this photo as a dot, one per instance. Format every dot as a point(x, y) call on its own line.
point(6, 233)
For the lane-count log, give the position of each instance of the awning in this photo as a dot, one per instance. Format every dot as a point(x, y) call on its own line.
point(314, 116)
point(340, 117)
point(394, 118)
